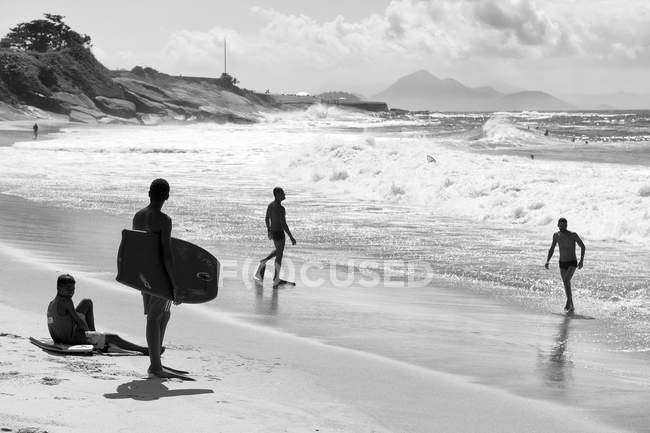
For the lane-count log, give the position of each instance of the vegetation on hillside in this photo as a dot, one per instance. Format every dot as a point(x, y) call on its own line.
point(339, 96)
point(49, 34)
point(45, 64)
point(45, 56)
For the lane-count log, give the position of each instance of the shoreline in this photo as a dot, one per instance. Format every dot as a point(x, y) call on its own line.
point(256, 369)
point(19, 130)
point(55, 237)
point(303, 356)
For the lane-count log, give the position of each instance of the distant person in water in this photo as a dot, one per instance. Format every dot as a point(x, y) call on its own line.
point(35, 128)
point(568, 263)
point(546, 133)
point(276, 226)
point(70, 325)
point(151, 219)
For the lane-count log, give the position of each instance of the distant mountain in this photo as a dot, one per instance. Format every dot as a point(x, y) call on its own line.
point(620, 100)
point(531, 100)
point(503, 87)
point(424, 91)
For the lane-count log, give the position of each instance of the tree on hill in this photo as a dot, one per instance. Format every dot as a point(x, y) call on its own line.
point(338, 96)
point(228, 80)
point(44, 35)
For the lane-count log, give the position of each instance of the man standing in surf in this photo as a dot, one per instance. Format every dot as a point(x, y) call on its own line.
point(151, 219)
point(276, 226)
point(568, 263)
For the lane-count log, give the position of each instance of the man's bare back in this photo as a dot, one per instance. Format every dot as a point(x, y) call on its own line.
point(152, 220)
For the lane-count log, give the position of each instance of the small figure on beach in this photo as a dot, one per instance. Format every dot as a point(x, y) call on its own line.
point(151, 219)
point(568, 263)
point(276, 226)
point(546, 133)
point(70, 325)
point(35, 128)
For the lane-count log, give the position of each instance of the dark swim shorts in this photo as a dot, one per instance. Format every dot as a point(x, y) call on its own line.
point(277, 235)
point(155, 303)
point(569, 264)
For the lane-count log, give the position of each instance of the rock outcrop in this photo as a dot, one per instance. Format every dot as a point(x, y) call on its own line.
point(116, 107)
point(73, 83)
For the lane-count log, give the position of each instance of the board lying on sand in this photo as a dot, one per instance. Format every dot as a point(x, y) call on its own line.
point(80, 349)
point(140, 266)
point(50, 346)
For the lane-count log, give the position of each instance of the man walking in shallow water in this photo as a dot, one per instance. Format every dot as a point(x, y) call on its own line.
point(276, 225)
point(568, 263)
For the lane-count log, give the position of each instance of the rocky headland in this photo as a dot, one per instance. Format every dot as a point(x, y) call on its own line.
point(72, 83)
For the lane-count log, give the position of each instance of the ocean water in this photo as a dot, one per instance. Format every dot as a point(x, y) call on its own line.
point(384, 208)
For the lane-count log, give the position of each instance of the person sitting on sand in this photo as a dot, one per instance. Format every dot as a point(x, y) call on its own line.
point(568, 263)
point(70, 325)
point(276, 226)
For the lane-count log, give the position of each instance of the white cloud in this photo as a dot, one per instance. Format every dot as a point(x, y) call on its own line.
point(115, 59)
point(202, 50)
point(518, 19)
point(442, 35)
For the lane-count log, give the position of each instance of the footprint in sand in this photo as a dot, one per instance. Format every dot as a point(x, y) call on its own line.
point(8, 374)
point(51, 380)
point(10, 335)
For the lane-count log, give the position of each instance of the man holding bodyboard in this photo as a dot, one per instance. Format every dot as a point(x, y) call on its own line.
point(151, 219)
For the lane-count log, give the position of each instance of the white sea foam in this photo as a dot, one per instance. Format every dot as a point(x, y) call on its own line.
point(606, 201)
point(221, 176)
point(89, 168)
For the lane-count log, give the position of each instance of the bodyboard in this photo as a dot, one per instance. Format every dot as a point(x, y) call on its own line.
point(50, 346)
point(140, 266)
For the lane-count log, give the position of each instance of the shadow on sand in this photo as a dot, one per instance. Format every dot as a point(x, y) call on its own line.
point(151, 389)
point(264, 306)
point(575, 316)
point(556, 364)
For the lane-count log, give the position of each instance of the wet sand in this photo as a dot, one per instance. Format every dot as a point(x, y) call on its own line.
point(12, 131)
point(250, 377)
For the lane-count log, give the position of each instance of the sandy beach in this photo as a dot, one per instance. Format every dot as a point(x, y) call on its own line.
point(21, 130)
point(249, 377)
point(463, 186)
point(315, 358)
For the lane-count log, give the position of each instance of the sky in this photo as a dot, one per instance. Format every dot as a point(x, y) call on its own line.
point(559, 46)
